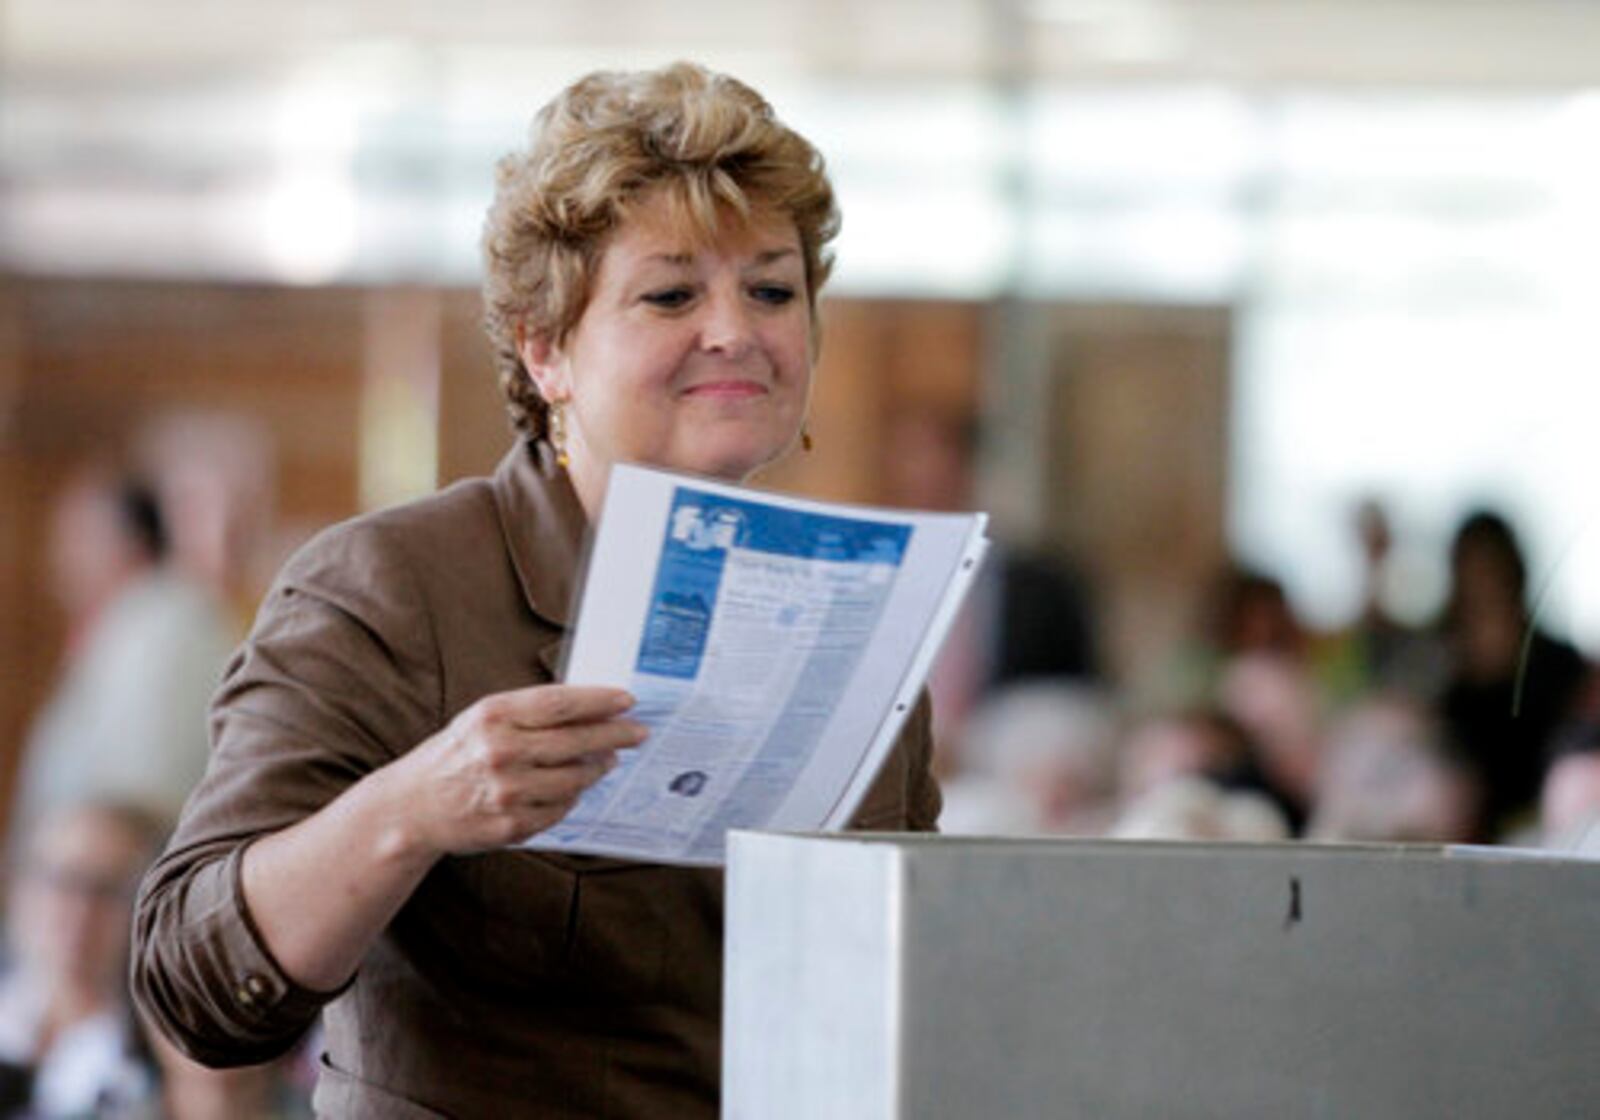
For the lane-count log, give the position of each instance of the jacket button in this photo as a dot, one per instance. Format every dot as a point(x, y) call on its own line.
point(251, 991)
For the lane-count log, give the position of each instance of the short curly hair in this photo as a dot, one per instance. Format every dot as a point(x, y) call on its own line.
point(709, 140)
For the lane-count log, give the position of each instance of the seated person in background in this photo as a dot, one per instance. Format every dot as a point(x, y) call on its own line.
point(1274, 698)
point(1386, 777)
point(68, 1046)
point(1569, 804)
point(1028, 616)
point(275, 1091)
point(1193, 808)
point(1198, 741)
point(1512, 685)
point(1250, 654)
point(1376, 651)
point(1192, 742)
point(145, 650)
point(1242, 613)
point(1191, 774)
point(1040, 758)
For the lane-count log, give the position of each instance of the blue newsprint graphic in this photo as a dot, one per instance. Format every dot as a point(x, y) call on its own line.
point(685, 593)
point(756, 621)
point(700, 531)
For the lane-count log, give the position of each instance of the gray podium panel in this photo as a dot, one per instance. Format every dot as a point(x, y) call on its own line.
point(934, 978)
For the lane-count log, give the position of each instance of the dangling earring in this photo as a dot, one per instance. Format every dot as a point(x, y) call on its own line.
point(805, 438)
point(558, 433)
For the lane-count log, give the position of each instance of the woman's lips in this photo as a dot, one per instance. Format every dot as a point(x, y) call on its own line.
point(726, 389)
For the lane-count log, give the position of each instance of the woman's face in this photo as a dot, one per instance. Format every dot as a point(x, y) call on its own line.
point(75, 899)
point(691, 357)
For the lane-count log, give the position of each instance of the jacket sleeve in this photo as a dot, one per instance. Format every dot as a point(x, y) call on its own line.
point(923, 800)
point(339, 676)
point(905, 797)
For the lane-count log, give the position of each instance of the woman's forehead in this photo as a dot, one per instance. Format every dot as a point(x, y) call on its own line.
point(85, 836)
point(662, 225)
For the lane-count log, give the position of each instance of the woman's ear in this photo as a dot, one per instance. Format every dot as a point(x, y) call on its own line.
point(545, 363)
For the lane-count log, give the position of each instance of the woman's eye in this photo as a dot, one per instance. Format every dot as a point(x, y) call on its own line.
point(669, 298)
point(775, 294)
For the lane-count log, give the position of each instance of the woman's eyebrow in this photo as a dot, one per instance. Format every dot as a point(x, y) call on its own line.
point(770, 256)
point(681, 259)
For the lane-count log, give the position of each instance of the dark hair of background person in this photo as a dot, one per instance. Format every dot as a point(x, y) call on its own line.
point(1491, 535)
point(1249, 612)
point(142, 518)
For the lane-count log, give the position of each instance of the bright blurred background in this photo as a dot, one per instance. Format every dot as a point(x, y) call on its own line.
point(1230, 312)
point(1209, 273)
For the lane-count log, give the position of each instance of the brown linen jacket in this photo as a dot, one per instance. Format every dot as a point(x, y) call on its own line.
point(512, 983)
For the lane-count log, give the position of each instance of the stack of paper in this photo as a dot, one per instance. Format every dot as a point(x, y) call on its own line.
point(775, 647)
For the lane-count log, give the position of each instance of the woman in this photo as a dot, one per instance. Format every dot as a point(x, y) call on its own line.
point(653, 261)
point(68, 1044)
point(1510, 684)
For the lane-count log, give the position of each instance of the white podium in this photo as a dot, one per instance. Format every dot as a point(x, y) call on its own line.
point(893, 977)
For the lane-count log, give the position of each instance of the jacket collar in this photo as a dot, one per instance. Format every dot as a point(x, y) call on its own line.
point(544, 528)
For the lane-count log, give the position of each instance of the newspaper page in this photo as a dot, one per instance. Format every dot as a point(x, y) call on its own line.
point(775, 647)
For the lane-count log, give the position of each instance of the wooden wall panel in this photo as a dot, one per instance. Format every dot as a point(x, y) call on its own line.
point(1137, 465)
point(86, 365)
point(102, 358)
point(935, 351)
point(880, 357)
point(474, 430)
point(21, 675)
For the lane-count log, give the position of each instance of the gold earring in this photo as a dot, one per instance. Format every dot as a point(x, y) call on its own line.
point(805, 438)
point(558, 433)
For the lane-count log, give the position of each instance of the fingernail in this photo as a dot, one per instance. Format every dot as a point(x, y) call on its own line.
point(624, 701)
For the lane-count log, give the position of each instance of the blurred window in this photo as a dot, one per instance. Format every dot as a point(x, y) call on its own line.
point(1413, 271)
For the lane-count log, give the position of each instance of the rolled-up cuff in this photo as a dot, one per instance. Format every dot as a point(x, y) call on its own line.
point(286, 993)
point(243, 972)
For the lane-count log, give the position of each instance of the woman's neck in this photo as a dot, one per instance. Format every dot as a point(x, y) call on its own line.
point(589, 478)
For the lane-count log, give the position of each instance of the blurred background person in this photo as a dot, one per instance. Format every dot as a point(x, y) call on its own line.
point(1029, 616)
point(1512, 683)
point(1196, 742)
point(1251, 614)
point(1569, 800)
point(1207, 756)
point(144, 651)
point(1242, 611)
point(1193, 808)
point(1039, 758)
point(1377, 650)
point(68, 1044)
point(278, 1090)
point(1275, 698)
point(1386, 776)
point(214, 475)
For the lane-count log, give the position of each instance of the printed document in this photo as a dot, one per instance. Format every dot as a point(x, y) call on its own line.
point(775, 647)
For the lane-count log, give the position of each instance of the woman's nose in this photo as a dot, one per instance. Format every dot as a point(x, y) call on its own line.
point(727, 328)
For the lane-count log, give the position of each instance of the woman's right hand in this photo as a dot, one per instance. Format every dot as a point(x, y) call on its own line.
point(512, 765)
point(505, 768)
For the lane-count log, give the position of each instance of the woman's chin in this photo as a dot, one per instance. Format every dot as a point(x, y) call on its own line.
point(730, 461)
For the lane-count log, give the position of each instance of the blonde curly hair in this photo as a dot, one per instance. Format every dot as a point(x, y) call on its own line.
point(708, 140)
